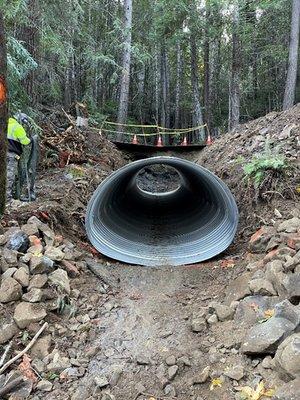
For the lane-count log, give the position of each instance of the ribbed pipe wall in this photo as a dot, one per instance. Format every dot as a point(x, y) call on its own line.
point(191, 224)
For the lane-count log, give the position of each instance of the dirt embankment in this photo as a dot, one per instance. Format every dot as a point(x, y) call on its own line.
point(73, 162)
point(273, 134)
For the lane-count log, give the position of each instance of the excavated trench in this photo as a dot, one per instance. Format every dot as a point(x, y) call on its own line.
point(162, 211)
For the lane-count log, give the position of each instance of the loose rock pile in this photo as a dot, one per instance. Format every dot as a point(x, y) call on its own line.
point(36, 268)
point(251, 337)
point(264, 305)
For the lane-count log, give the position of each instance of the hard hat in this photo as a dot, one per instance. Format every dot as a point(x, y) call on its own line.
point(22, 118)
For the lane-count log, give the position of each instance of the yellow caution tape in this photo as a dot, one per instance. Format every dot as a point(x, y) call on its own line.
point(131, 125)
point(156, 126)
point(153, 133)
point(196, 128)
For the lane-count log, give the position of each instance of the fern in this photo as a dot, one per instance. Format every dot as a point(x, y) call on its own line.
point(261, 164)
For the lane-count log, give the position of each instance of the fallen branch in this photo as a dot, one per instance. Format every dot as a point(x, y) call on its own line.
point(153, 396)
point(273, 192)
point(5, 366)
point(10, 386)
point(69, 118)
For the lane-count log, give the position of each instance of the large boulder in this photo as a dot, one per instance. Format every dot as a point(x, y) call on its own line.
point(22, 276)
point(252, 309)
point(238, 289)
point(30, 229)
point(26, 313)
point(54, 253)
point(260, 239)
point(10, 257)
point(235, 372)
point(9, 273)
point(41, 265)
point(34, 295)
point(290, 226)
point(48, 234)
point(264, 338)
point(287, 357)
point(289, 391)
point(60, 279)
point(10, 290)
point(275, 274)
point(8, 329)
point(222, 311)
point(18, 241)
point(38, 281)
point(198, 324)
point(262, 286)
point(291, 284)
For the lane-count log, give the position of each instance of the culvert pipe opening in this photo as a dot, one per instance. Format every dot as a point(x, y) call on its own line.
point(138, 218)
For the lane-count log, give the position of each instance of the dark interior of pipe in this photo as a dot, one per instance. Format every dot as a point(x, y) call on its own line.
point(155, 221)
point(157, 218)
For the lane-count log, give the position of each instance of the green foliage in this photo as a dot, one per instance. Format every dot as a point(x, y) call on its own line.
point(51, 376)
point(25, 336)
point(66, 306)
point(261, 164)
point(79, 48)
point(19, 64)
point(12, 8)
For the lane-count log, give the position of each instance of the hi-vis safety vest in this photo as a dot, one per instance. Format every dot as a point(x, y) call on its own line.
point(16, 136)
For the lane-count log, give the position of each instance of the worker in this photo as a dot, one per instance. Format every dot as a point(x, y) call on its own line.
point(17, 138)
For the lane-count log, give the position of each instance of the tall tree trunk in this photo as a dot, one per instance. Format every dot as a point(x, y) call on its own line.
point(290, 85)
point(163, 87)
point(207, 82)
point(178, 86)
point(168, 105)
point(3, 115)
point(165, 109)
point(141, 89)
point(197, 112)
point(255, 73)
point(73, 77)
point(67, 89)
point(157, 69)
point(207, 72)
point(215, 79)
point(125, 78)
point(30, 36)
point(234, 87)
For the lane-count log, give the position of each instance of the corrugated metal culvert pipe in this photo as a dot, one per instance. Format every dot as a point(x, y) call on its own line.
point(193, 223)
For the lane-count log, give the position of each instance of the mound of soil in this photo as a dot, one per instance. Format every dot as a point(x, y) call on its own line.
point(73, 163)
point(276, 133)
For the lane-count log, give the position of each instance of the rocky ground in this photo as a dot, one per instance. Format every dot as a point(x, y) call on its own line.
point(84, 327)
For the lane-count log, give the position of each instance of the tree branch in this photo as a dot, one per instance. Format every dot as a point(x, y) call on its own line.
point(5, 366)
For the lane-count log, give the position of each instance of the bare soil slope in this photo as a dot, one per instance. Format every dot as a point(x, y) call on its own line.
point(277, 132)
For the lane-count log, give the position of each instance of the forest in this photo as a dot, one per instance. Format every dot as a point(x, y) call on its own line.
point(176, 63)
point(149, 200)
